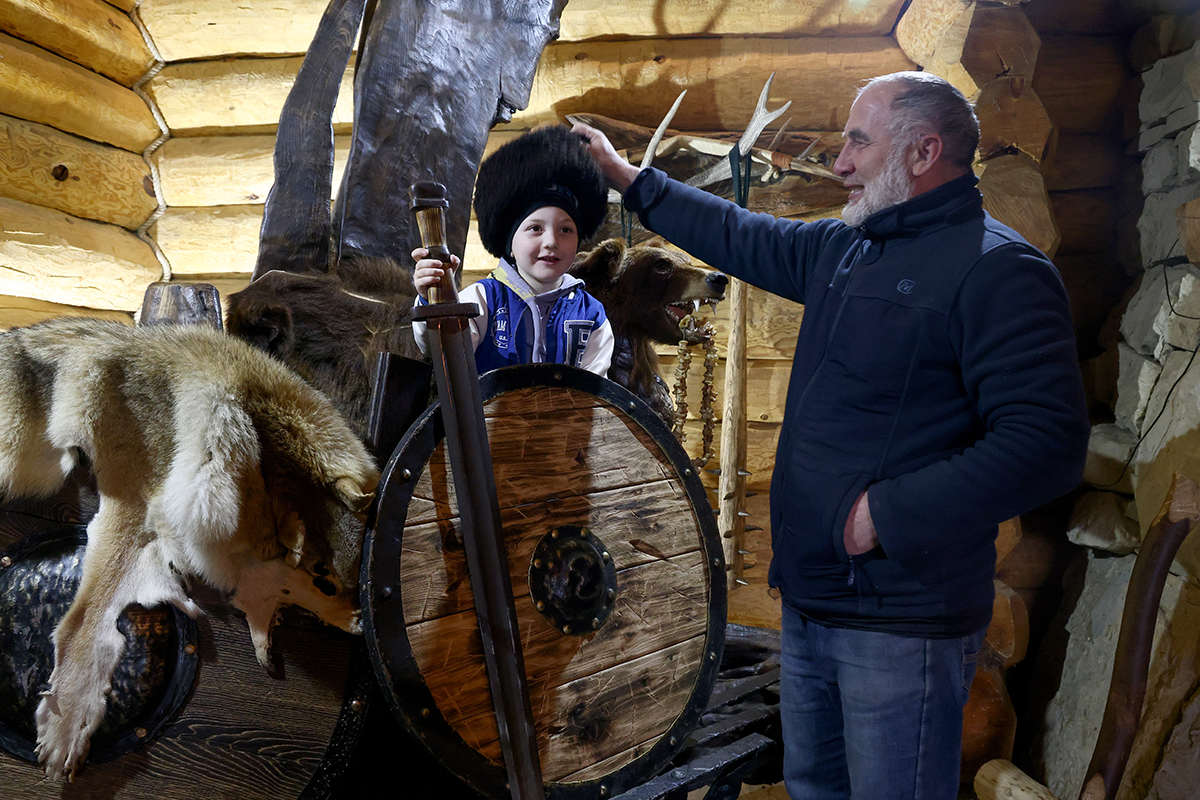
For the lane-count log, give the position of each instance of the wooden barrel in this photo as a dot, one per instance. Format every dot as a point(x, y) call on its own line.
point(579, 463)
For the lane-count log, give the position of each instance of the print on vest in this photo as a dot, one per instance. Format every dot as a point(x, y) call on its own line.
point(578, 331)
point(906, 286)
point(500, 332)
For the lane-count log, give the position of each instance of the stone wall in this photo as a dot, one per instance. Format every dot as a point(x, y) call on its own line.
point(1155, 433)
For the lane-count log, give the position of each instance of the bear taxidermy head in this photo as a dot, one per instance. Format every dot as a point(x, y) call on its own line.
point(652, 295)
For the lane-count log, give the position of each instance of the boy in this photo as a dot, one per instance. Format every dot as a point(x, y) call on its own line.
point(536, 197)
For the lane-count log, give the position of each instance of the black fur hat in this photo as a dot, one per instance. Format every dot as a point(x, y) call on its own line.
point(546, 167)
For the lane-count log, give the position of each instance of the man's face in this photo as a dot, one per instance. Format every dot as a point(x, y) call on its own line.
point(873, 165)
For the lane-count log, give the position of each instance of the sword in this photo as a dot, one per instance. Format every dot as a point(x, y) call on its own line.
point(449, 345)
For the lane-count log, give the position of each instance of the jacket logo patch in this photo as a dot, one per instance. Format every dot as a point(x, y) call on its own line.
point(500, 331)
point(906, 286)
point(578, 332)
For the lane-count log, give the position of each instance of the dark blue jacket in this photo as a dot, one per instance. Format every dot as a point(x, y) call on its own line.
point(935, 366)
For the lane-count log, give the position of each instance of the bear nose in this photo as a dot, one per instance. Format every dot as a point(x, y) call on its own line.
point(717, 281)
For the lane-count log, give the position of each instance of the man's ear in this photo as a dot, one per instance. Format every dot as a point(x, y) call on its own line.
point(926, 154)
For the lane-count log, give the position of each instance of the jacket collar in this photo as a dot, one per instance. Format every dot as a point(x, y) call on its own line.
point(507, 274)
point(953, 202)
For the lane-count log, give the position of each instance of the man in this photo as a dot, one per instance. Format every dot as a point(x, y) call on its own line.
point(934, 392)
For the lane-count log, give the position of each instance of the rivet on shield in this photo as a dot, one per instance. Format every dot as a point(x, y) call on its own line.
point(406, 474)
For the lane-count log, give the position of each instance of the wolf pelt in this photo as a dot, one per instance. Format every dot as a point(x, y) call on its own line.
point(210, 459)
point(647, 290)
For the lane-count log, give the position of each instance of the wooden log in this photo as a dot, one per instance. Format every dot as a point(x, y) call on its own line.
point(44, 253)
point(225, 170)
point(221, 240)
point(932, 33)
point(589, 19)
point(927, 24)
point(1084, 161)
point(90, 33)
point(1079, 80)
point(1008, 537)
point(989, 718)
point(125, 5)
point(1001, 43)
point(1086, 220)
point(1012, 117)
point(1000, 779)
point(638, 80)
point(732, 485)
point(16, 312)
point(201, 29)
point(1008, 633)
point(635, 80)
point(1015, 194)
point(185, 30)
point(41, 87)
point(44, 166)
point(1095, 18)
point(243, 95)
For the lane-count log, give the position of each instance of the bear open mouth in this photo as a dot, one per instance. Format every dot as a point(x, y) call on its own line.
point(686, 316)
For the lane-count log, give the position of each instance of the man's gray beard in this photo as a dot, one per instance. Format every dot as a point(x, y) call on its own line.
point(892, 186)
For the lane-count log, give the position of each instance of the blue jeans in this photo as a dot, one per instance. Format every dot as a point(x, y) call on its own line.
point(872, 716)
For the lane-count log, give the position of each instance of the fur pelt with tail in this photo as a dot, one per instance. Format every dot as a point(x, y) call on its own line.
point(210, 459)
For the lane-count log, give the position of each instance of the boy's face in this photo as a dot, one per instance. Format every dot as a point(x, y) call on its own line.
point(544, 247)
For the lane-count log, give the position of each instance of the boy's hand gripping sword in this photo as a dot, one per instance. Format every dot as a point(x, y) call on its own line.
point(449, 347)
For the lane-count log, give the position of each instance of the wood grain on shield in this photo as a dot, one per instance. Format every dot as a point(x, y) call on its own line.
point(610, 716)
point(547, 443)
point(658, 605)
point(636, 529)
point(563, 457)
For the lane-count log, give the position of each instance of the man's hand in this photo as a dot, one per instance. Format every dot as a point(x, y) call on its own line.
point(619, 172)
point(859, 533)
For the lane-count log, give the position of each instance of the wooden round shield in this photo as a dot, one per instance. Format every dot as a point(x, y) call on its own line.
point(619, 672)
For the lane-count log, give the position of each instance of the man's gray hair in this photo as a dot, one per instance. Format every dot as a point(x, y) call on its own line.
point(927, 103)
